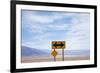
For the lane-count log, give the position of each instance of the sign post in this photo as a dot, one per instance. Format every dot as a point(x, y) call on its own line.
point(63, 54)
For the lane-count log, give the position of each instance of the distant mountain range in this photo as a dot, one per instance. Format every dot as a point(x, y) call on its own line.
point(77, 52)
point(28, 51)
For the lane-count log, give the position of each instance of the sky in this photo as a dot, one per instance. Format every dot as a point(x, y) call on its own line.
point(40, 28)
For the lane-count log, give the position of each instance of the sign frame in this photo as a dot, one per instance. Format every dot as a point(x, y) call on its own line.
point(13, 36)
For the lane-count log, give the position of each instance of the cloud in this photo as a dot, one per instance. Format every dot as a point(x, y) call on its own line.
point(74, 28)
point(38, 23)
point(35, 16)
point(79, 36)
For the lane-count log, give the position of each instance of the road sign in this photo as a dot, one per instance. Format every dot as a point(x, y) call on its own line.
point(54, 53)
point(58, 44)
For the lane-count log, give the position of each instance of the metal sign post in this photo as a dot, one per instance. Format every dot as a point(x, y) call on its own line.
point(62, 54)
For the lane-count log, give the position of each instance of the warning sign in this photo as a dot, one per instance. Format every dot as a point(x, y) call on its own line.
point(58, 44)
point(54, 53)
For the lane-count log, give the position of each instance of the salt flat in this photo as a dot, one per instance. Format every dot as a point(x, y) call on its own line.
point(30, 59)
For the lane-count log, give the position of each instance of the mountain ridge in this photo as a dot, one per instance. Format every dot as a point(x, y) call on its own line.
point(27, 51)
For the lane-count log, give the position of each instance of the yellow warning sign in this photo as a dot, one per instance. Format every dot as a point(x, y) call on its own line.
point(58, 44)
point(54, 53)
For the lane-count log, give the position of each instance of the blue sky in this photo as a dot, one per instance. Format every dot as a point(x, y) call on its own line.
point(40, 28)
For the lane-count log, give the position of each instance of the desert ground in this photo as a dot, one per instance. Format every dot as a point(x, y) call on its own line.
point(30, 59)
